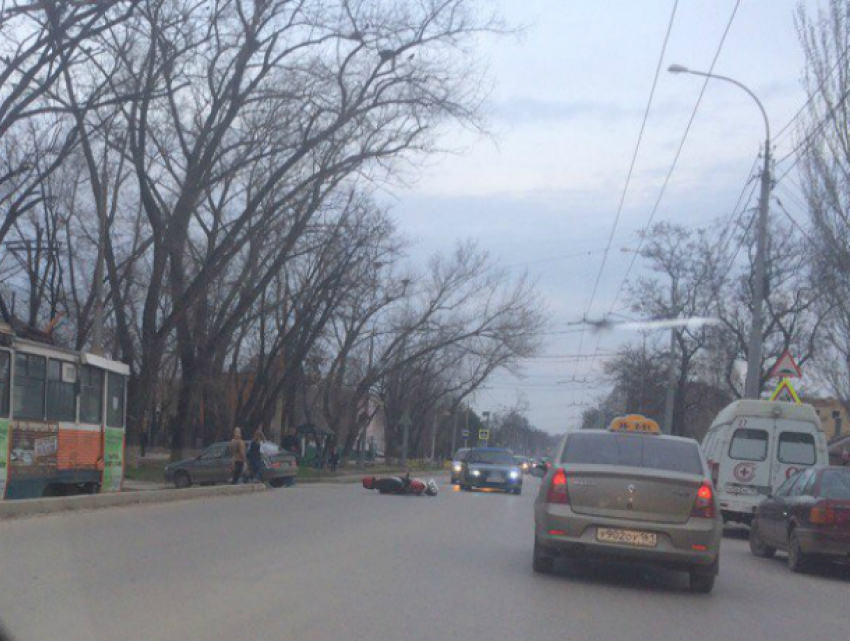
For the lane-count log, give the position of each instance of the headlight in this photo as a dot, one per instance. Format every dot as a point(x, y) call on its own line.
point(514, 474)
point(457, 467)
point(475, 473)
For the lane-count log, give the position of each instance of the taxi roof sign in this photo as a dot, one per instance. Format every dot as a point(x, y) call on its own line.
point(635, 423)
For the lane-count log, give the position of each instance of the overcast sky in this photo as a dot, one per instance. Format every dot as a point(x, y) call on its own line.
point(566, 110)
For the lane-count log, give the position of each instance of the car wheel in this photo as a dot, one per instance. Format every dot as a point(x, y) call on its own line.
point(797, 559)
point(701, 583)
point(757, 545)
point(276, 483)
point(543, 563)
point(518, 491)
point(182, 480)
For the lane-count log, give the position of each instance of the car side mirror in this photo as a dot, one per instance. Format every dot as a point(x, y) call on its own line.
point(539, 470)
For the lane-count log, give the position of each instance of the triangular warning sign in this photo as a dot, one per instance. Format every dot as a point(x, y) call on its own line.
point(786, 367)
point(785, 392)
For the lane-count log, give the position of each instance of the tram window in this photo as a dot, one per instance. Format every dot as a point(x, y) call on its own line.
point(115, 400)
point(61, 404)
point(4, 384)
point(28, 401)
point(91, 395)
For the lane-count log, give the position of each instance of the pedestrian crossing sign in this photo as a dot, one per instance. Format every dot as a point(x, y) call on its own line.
point(483, 435)
point(785, 392)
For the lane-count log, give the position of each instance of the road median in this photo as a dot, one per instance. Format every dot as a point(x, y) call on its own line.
point(56, 505)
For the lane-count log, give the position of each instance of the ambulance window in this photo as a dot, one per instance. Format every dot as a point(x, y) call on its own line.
point(748, 445)
point(796, 448)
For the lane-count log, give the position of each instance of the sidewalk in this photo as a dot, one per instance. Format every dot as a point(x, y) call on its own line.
point(133, 485)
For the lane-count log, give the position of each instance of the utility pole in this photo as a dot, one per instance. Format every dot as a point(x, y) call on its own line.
point(753, 385)
point(454, 432)
point(434, 435)
point(670, 398)
point(405, 436)
point(754, 347)
point(466, 438)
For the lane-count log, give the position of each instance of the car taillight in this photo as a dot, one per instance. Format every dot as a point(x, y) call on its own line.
point(557, 492)
point(820, 515)
point(704, 505)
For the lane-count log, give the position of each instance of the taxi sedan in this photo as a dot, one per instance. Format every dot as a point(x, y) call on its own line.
point(638, 497)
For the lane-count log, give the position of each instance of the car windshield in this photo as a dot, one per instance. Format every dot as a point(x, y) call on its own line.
point(490, 457)
point(835, 484)
point(634, 451)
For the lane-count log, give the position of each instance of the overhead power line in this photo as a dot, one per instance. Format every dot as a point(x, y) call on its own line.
point(673, 165)
point(631, 165)
point(812, 96)
point(804, 144)
point(675, 157)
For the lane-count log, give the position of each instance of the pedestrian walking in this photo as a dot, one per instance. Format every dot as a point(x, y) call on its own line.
point(333, 459)
point(237, 451)
point(255, 456)
point(143, 442)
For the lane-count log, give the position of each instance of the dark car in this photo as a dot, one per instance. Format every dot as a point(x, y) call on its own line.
point(215, 465)
point(488, 467)
point(808, 517)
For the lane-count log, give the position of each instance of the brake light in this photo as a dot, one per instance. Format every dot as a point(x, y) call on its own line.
point(822, 516)
point(704, 504)
point(557, 492)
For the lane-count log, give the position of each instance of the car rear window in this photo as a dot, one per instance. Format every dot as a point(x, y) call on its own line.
point(748, 445)
point(634, 451)
point(796, 447)
point(835, 484)
point(495, 458)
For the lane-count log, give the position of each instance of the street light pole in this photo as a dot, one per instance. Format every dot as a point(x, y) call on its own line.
point(754, 348)
point(454, 432)
point(434, 435)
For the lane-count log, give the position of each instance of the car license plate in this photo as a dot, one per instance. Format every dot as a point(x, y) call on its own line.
point(627, 537)
point(743, 490)
point(495, 478)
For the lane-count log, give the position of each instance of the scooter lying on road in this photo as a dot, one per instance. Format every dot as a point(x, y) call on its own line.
point(400, 485)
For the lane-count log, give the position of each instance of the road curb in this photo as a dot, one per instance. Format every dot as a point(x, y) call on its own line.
point(35, 507)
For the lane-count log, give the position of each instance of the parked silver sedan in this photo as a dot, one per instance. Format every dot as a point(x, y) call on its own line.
point(215, 465)
point(637, 497)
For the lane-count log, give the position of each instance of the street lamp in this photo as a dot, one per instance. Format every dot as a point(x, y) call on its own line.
point(754, 348)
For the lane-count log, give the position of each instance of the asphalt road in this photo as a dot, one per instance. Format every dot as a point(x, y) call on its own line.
point(337, 562)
